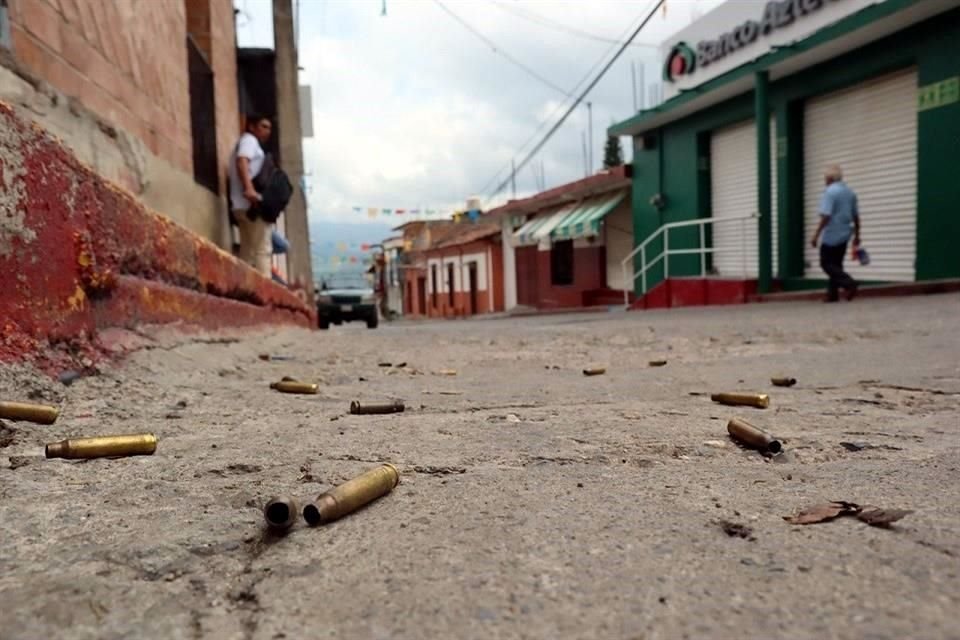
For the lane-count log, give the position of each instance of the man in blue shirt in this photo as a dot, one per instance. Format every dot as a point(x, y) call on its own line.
point(839, 219)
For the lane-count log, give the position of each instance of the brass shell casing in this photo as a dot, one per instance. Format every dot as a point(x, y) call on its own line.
point(39, 413)
point(594, 371)
point(295, 386)
point(359, 409)
point(141, 444)
point(352, 494)
point(280, 513)
point(758, 400)
point(783, 382)
point(750, 436)
point(657, 363)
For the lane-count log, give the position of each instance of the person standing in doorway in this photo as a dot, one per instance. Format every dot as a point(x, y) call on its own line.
point(246, 162)
point(839, 219)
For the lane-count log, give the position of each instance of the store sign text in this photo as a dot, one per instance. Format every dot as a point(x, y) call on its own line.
point(777, 14)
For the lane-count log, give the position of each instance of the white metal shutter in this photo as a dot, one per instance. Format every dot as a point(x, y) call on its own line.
point(733, 189)
point(870, 130)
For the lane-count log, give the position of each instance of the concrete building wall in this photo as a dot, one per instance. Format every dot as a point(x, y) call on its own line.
point(111, 80)
point(618, 238)
point(589, 270)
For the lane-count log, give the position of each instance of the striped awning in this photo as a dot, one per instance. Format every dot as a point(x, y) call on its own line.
point(584, 220)
point(539, 228)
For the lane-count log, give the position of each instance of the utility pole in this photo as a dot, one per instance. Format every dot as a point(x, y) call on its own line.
point(633, 79)
point(583, 142)
point(643, 91)
point(590, 138)
point(291, 143)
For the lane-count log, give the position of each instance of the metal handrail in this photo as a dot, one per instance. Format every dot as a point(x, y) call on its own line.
point(664, 255)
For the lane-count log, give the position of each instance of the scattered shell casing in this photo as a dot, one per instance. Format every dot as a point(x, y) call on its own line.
point(358, 409)
point(657, 363)
point(758, 400)
point(280, 513)
point(595, 371)
point(140, 444)
point(750, 436)
point(783, 382)
point(39, 413)
point(295, 386)
point(351, 495)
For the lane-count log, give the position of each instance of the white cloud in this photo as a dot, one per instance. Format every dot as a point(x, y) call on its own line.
point(412, 109)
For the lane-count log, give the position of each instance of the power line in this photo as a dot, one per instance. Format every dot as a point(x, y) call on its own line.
point(543, 21)
point(583, 94)
point(496, 49)
point(546, 120)
point(556, 109)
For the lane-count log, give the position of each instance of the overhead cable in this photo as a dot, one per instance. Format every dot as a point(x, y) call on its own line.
point(496, 49)
point(580, 98)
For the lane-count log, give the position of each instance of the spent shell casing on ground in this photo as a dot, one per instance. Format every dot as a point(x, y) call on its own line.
point(351, 495)
point(139, 444)
point(280, 513)
point(783, 382)
point(594, 371)
point(358, 408)
point(750, 436)
point(38, 413)
point(758, 400)
point(657, 363)
point(295, 386)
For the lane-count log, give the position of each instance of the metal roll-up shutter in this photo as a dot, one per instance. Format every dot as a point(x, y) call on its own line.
point(870, 130)
point(733, 189)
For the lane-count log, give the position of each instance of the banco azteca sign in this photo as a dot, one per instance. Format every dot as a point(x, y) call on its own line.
point(684, 61)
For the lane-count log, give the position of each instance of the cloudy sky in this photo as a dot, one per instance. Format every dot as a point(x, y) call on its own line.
point(413, 109)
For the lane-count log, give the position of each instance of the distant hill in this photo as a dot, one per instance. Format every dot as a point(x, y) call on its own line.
point(326, 236)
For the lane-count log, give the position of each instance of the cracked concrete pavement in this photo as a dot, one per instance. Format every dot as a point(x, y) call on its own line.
point(534, 502)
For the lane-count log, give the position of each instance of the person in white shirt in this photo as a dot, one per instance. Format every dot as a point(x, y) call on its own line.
point(246, 162)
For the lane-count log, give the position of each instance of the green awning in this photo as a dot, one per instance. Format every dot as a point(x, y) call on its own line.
point(584, 220)
point(539, 228)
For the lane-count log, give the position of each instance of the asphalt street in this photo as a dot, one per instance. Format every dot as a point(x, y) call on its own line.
point(534, 502)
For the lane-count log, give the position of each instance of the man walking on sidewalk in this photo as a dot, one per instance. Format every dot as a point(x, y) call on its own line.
point(246, 162)
point(839, 218)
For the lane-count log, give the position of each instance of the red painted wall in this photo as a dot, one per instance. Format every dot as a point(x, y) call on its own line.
point(589, 273)
point(78, 255)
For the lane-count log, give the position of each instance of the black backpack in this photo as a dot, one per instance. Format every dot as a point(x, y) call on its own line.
point(275, 189)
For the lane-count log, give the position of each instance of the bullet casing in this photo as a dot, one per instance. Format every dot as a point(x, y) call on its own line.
point(594, 371)
point(657, 363)
point(358, 409)
point(280, 513)
point(751, 436)
point(141, 444)
point(41, 414)
point(783, 382)
point(295, 386)
point(351, 495)
point(758, 400)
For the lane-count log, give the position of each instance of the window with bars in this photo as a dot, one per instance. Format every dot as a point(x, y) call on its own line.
point(203, 123)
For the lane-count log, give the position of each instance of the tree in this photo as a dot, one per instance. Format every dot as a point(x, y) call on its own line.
point(612, 153)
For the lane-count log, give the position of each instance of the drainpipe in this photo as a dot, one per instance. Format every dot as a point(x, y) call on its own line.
point(764, 244)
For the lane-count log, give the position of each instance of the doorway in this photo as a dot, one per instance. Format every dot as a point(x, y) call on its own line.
point(422, 296)
point(472, 269)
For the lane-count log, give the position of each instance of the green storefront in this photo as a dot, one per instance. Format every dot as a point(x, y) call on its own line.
point(871, 86)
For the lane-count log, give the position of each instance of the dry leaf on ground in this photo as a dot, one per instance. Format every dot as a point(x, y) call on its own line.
point(822, 512)
point(877, 517)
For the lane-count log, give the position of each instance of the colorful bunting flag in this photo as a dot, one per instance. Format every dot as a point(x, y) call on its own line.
point(386, 212)
point(365, 247)
point(353, 259)
point(342, 247)
point(372, 212)
point(357, 209)
point(399, 212)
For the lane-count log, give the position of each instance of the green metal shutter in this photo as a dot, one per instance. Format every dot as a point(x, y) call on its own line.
point(870, 130)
